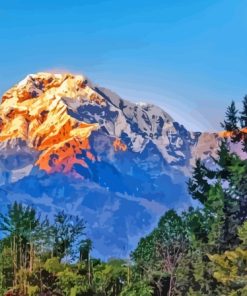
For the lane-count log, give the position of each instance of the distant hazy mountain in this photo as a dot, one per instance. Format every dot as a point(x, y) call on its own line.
point(68, 144)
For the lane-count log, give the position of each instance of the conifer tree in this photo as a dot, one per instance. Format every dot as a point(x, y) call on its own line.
point(198, 185)
point(231, 121)
point(243, 113)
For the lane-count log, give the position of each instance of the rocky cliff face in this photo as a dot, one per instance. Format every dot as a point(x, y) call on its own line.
point(68, 144)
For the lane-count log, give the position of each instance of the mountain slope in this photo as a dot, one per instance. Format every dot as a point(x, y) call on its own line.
point(68, 144)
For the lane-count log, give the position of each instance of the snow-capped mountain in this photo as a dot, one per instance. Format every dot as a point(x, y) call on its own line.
point(66, 143)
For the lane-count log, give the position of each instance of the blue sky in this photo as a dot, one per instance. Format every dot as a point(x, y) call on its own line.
point(189, 57)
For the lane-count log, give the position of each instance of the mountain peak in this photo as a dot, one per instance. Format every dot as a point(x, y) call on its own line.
point(55, 114)
point(34, 85)
point(34, 111)
point(67, 144)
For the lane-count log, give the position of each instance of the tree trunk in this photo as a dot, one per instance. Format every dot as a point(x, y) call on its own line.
point(89, 269)
point(171, 285)
point(14, 256)
point(31, 257)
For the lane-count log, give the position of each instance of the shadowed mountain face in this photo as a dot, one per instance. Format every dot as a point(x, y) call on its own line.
point(67, 144)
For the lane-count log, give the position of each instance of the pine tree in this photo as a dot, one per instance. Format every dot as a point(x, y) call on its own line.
point(243, 113)
point(231, 125)
point(198, 185)
point(231, 121)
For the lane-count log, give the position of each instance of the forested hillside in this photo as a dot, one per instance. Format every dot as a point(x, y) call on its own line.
point(201, 251)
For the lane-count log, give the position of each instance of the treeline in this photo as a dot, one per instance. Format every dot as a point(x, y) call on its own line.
point(202, 251)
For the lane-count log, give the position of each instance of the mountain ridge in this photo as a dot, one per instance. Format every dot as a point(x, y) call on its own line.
point(68, 144)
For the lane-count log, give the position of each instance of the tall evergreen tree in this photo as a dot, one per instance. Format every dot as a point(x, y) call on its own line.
point(231, 121)
point(243, 113)
point(235, 125)
point(198, 184)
